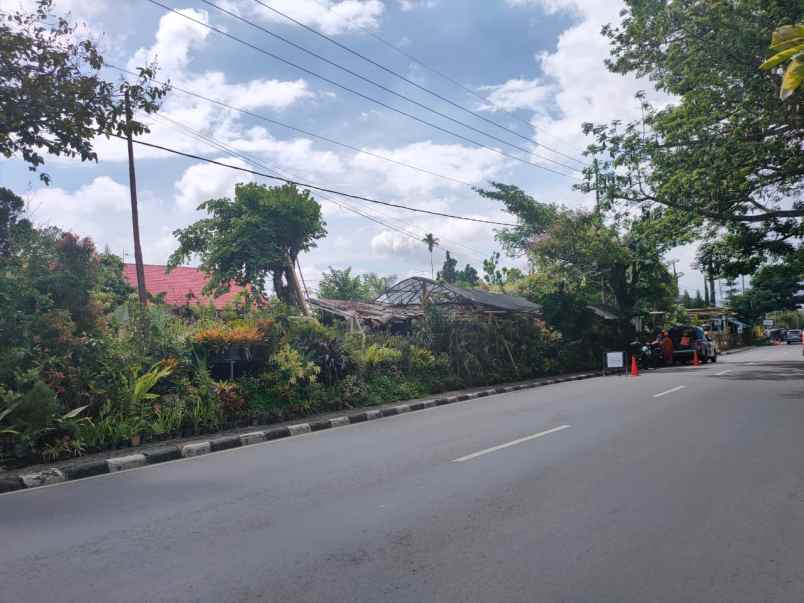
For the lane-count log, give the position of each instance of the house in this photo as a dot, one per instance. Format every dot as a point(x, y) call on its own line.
point(181, 286)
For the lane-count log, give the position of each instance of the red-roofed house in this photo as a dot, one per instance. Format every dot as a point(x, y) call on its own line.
point(181, 286)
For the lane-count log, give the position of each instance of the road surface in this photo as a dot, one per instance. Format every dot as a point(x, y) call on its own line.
point(685, 484)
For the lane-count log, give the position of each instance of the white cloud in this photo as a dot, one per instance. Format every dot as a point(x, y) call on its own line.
point(330, 16)
point(204, 181)
point(465, 164)
point(517, 94)
point(175, 38)
point(407, 5)
point(99, 210)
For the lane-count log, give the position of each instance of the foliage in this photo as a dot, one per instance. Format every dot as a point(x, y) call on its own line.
point(52, 98)
point(788, 44)
point(231, 398)
point(449, 273)
point(774, 287)
point(340, 284)
point(431, 242)
point(323, 348)
point(719, 154)
point(258, 234)
point(582, 260)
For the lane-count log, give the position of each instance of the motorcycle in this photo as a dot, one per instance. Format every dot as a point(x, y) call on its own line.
point(644, 353)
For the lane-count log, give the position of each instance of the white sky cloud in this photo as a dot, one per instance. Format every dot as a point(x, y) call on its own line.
point(204, 181)
point(330, 16)
point(517, 94)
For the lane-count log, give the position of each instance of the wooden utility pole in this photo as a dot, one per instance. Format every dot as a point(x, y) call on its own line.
point(293, 282)
point(135, 217)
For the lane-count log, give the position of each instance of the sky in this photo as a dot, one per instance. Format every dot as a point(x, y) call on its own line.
point(534, 67)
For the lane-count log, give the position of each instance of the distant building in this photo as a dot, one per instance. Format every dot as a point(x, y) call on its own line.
point(182, 286)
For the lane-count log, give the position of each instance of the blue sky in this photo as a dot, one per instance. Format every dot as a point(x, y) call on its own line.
point(539, 63)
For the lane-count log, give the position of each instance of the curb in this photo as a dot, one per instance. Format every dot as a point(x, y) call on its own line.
point(79, 470)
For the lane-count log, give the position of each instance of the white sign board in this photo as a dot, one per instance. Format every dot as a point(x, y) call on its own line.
point(614, 360)
point(767, 322)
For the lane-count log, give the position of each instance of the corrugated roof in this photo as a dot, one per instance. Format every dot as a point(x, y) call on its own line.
point(411, 290)
point(181, 286)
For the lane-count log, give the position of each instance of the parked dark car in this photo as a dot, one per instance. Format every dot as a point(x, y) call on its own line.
point(687, 340)
point(793, 336)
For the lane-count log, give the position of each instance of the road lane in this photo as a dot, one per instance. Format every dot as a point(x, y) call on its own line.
point(692, 496)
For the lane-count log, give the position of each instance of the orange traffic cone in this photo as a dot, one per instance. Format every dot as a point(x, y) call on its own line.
point(634, 367)
point(695, 361)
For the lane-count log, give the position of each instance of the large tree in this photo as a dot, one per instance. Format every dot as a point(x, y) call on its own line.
point(722, 151)
point(580, 256)
point(52, 97)
point(257, 235)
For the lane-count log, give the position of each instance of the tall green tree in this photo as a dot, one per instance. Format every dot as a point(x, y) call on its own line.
point(257, 235)
point(586, 260)
point(448, 272)
point(432, 243)
point(52, 98)
point(340, 284)
point(720, 153)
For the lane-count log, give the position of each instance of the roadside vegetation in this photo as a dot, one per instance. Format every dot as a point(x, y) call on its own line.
point(86, 366)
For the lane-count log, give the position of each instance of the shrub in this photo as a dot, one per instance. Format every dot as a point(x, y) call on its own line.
point(231, 398)
point(324, 348)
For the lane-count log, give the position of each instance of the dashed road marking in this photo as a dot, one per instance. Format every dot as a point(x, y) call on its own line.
point(669, 391)
point(474, 455)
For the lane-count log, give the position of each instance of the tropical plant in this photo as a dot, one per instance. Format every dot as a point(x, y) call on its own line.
point(432, 243)
point(788, 44)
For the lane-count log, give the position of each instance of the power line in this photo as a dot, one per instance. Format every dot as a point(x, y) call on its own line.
point(353, 91)
point(382, 87)
point(371, 217)
point(406, 79)
point(386, 221)
point(466, 89)
point(315, 187)
point(299, 130)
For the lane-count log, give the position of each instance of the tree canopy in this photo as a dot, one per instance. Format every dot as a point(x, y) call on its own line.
point(341, 284)
point(52, 98)
point(258, 234)
point(584, 260)
point(720, 151)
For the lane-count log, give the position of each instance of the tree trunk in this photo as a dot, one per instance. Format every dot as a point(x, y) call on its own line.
point(712, 296)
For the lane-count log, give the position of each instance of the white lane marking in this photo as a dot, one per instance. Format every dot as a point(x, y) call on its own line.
point(474, 455)
point(721, 373)
point(669, 391)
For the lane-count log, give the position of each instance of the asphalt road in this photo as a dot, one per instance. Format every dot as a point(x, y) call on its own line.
point(685, 484)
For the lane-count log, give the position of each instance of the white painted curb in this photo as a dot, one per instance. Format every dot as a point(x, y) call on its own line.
point(252, 438)
point(121, 463)
point(195, 449)
point(299, 429)
point(43, 478)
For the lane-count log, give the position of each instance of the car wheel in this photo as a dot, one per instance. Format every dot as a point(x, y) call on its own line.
point(714, 358)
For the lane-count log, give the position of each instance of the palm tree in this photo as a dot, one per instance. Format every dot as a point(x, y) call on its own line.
point(431, 243)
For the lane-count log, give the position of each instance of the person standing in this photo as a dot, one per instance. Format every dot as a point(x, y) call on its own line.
point(667, 348)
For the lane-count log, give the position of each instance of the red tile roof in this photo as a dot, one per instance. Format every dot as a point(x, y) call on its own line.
point(184, 284)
